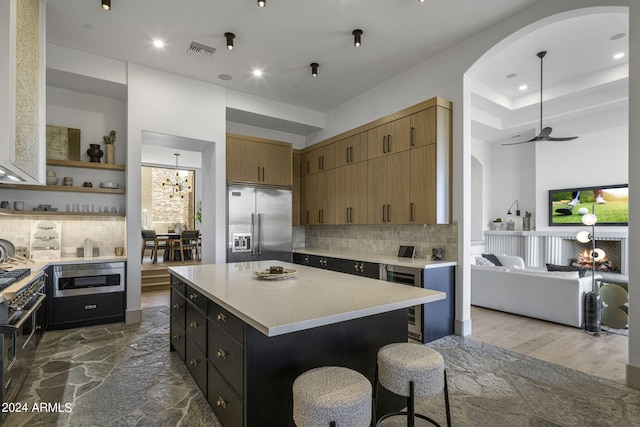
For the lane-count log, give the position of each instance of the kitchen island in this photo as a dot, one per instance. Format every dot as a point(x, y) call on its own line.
point(245, 340)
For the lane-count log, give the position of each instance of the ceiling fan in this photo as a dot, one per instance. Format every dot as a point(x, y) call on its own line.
point(545, 133)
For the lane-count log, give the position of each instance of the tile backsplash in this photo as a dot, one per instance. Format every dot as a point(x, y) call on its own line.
point(380, 239)
point(105, 232)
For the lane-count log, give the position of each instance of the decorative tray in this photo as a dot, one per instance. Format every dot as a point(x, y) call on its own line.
point(267, 275)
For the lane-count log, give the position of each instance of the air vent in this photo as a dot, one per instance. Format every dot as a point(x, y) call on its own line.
point(202, 50)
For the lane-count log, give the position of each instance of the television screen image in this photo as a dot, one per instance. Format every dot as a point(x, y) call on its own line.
point(610, 203)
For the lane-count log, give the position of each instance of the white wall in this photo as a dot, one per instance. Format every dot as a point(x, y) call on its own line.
point(168, 104)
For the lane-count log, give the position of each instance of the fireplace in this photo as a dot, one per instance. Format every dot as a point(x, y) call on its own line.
point(579, 255)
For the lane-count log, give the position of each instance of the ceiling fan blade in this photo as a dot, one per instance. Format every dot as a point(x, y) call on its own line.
point(519, 142)
point(560, 138)
point(544, 133)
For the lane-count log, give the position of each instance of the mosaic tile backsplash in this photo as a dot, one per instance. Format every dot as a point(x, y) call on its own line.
point(105, 232)
point(380, 239)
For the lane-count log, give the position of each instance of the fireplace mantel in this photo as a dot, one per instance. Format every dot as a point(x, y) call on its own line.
point(546, 246)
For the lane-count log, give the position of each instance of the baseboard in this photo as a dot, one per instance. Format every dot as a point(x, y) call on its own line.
point(633, 376)
point(133, 316)
point(462, 327)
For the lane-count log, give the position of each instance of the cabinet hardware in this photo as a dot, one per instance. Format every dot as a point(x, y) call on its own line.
point(258, 173)
point(348, 155)
point(263, 175)
point(307, 217)
point(307, 167)
point(175, 337)
point(347, 214)
point(388, 143)
point(306, 259)
point(355, 266)
point(90, 307)
point(193, 296)
point(383, 213)
point(221, 317)
point(320, 163)
point(351, 154)
point(384, 144)
point(388, 213)
point(411, 138)
point(176, 306)
point(193, 362)
point(411, 211)
point(38, 327)
point(222, 354)
point(194, 324)
point(221, 403)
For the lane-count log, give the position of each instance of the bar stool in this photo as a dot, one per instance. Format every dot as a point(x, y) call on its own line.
point(332, 396)
point(411, 370)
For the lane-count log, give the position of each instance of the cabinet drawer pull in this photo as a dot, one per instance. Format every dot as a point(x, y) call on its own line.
point(384, 144)
point(262, 174)
point(176, 337)
point(389, 213)
point(355, 266)
point(348, 155)
point(221, 317)
point(176, 306)
point(222, 354)
point(258, 173)
point(388, 143)
point(90, 307)
point(193, 296)
point(193, 324)
point(193, 362)
point(411, 212)
point(221, 403)
point(412, 140)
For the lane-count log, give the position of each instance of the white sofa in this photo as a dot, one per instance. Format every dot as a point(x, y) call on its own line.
point(552, 296)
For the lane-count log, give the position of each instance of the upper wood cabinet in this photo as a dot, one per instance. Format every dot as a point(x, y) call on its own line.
point(388, 190)
point(320, 159)
point(423, 127)
point(259, 161)
point(295, 190)
point(423, 200)
point(391, 137)
point(352, 149)
point(351, 194)
point(319, 198)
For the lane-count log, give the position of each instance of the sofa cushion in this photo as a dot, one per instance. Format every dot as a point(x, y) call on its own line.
point(494, 259)
point(558, 274)
point(480, 260)
point(555, 267)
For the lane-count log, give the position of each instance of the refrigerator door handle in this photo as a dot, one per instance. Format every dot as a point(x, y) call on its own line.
point(253, 234)
point(259, 234)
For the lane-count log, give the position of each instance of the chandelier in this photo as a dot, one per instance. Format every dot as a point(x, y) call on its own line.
point(178, 183)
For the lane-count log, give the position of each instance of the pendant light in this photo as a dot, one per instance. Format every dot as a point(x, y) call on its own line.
point(178, 184)
point(106, 4)
point(314, 69)
point(229, 37)
point(357, 37)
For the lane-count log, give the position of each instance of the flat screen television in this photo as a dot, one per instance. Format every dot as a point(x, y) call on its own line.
point(610, 204)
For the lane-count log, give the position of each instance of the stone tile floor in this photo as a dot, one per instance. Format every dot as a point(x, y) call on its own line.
point(124, 375)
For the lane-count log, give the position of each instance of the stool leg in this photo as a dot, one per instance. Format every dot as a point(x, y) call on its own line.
point(446, 399)
point(332, 424)
point(411, 410)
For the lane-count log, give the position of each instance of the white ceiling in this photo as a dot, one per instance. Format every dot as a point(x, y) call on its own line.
point(285, 37)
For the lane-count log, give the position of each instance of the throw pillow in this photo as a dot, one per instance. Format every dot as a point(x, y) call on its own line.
point(494, 259)
point(555, 267)
point(481, 260)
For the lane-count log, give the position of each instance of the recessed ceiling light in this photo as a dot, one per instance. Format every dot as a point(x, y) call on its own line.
point(224, 77)
point(257, 72)
point(158, 43)
point(618, 55)
point(88, 27)
point(617, 36)
point(523, 87)
point(510, 76)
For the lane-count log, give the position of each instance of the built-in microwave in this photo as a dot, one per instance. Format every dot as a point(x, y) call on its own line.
point(88, 279)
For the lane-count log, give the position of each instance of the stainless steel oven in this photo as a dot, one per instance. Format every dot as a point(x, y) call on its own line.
point(411, 277)
point(88, 279)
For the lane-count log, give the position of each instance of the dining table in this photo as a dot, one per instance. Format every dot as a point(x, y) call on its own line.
point(168, 239)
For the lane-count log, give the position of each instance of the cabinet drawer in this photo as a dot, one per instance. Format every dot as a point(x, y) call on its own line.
point(177, 337)
point(225, 403)
point(227, 355)
point(197, 364)
point(88, 307)
point(178, 310)
point(196, 298)
point(232, 324)
point(196, 326)
point(178, 285)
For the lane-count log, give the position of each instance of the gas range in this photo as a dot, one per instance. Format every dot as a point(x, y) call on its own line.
point(8, 277)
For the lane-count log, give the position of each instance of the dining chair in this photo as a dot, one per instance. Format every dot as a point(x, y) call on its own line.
point(190, 241)
point(150, 241)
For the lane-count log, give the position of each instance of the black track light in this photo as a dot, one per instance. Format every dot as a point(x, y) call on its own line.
point(262, 3)
point(230, 37)
point(106, 4)
point(314, 69)
point(357, 37)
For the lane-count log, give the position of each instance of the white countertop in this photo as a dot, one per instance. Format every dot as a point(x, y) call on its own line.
point(378, 259)
point(314, 297)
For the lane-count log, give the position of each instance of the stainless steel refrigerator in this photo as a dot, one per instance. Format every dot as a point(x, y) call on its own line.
point(259, 224)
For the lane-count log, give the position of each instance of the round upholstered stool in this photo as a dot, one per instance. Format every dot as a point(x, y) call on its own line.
point(332, 396)
point(412, 370)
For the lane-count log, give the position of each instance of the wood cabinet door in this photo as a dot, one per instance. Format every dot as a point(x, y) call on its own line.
point(242, 161)
point(358, 185)
point(343, 194)
point(422, 208)
point(377, 172)
point(389, 138)
point(352, 149)
point(313, 201)
point(398, 187)
point(328, 196)
point(423, 127)
point(276, 163)
point(296, 201)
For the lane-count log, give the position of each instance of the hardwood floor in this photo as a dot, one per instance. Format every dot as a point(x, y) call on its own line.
point(604, 356)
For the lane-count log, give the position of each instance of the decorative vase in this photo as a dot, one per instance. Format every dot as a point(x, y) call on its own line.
point(111, 153)
point(95, 153)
